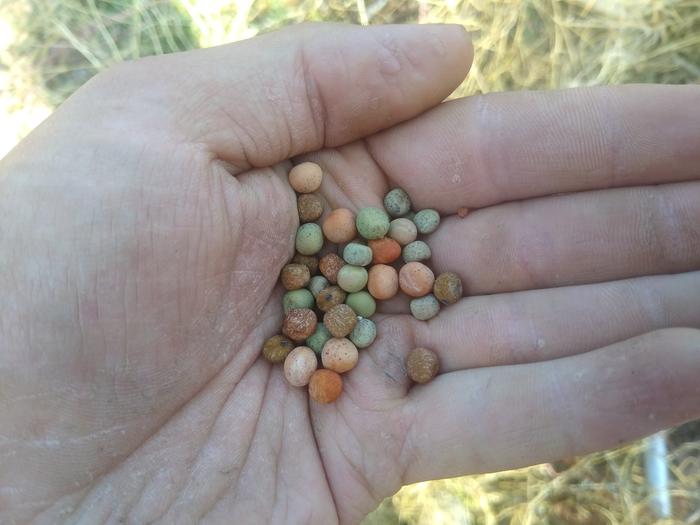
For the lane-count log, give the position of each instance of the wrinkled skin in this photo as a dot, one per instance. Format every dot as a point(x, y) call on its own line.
point(145, 224)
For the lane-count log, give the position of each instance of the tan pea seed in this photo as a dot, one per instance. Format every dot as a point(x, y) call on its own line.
point(339, 355)
point(300, 365)
point(306, 177)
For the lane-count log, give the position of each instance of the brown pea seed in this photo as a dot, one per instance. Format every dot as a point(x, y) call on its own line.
point(330, 264)
point(422, 365)
point(325, 386)
point(340, 320)
point(295, 276)
point(448, 288)
point(330, 297)
point(310, 207)
point(306, 177)
point(276, 348)
point(310, 261)
point(299, 323)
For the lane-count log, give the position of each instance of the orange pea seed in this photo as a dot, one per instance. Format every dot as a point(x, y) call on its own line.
point(383, 281)
point(385, 250)
point(339, 226)
point(306, 177)
point(416, 279)
point(325, 386)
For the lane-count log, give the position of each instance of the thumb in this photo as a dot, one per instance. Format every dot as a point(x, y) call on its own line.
point(263, 100)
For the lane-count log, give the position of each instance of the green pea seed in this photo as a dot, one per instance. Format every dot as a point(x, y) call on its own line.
point(372, 223)
point(416, 251)
point(427, 221)
point(316, 340)
point(397, 202)
point(298, 299)
point(362, 303)
point(424, 308)
point(357, 254)
point(364, 333)
point(352, 278)
point(309, 238)
point(317, 283)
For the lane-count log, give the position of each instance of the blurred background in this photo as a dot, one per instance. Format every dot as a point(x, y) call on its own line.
point(48, 48)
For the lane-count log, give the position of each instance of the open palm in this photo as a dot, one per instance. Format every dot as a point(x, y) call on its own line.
point(148, 219)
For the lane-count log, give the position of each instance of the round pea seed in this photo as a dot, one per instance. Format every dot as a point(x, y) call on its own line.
point(448, 288)
point(372, 223)
point(427, 221)
point(352, 278)
point(364, 333)
point(316, 340)
point(309, 239)
point(357, 254)
point(403, 231)
point(424, 308)
point(298, 299)
point(362, 303)
point(397, 202)
point(317, 283)
point(416, 251)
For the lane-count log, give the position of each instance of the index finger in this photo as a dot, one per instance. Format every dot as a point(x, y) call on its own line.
point(486, 149)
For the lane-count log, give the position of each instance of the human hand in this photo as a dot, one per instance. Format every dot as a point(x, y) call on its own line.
point(147, 220)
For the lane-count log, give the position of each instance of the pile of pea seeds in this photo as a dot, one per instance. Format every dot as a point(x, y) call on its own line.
point(330, 300)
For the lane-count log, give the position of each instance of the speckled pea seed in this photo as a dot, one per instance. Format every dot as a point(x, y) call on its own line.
point(297, 299)
point(352, 278)
point(330, 297)
point(325, 386)
point(309, 261)
point(300, 365)
point(364, 333)
point(357, 254)
point(310, 207)
point(424, 308)
point(448, 288)
point(317, 283)
point(316, 340)
point(416, 251)
point(372, 223)
point(276, 348)
point(330, 264)
point(403, 231)
point(309, 239)
point(340, 320)
point(295, 276)
point(427, 221)
point(299, 324)
point(422, 365)
point(397, 202)
point(306, 177)
point(362, 303)
point(339, 354)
